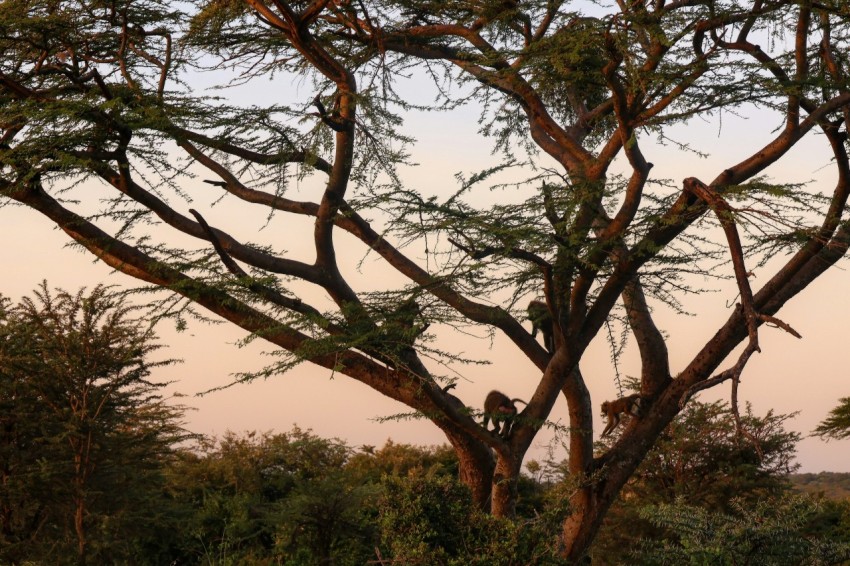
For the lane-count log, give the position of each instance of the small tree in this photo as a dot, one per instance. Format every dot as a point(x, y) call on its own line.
point(707, 459)
point(86, 435)
point(571, 95)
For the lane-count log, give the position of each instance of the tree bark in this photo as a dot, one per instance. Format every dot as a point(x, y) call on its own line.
point(475, 467)
point(79, 528)
point(505, 485)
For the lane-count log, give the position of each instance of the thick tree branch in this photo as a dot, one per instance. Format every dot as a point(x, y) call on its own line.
point(751, 316)
point(272, 295)
point(183, 224)
point(654, 358)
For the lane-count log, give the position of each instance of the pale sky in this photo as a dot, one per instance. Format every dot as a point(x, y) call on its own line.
point(807, 375)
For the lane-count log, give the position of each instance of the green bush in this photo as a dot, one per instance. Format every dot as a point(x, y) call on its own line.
point(432, 521)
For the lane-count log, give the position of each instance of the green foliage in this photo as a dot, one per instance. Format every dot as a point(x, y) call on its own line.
point(284, 497)
point(566, 67)
point(832, 523)
point(431, 520)
point(85, 436)
point(705, 495)
point(772, 532)
point(294, 498)
point(76, 33)
point(702, 457)
point(700, 460)
point(290, 498)
point(402, 460)
point(328, 520)
point(837, 424)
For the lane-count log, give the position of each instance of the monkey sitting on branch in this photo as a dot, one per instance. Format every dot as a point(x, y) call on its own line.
point(629, 405)
point(502, 410)
point(541, 319)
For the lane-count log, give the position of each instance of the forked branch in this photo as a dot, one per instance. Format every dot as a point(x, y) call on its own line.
point(271, 295)
point(725, 214)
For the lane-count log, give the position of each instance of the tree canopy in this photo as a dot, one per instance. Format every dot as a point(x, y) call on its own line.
point(102, 133)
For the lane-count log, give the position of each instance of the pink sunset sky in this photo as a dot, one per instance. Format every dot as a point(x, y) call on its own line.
point(808, 375)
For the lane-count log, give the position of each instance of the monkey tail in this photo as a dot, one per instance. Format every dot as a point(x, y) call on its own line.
point(519, 400)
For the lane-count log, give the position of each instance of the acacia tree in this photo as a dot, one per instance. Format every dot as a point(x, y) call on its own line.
point(91, 91)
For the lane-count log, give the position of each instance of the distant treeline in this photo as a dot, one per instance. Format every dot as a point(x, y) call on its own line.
point(832, 485)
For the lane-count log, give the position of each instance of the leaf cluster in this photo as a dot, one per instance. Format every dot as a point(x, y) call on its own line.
point(432, 520)
point(773, 532)
point(701, 460)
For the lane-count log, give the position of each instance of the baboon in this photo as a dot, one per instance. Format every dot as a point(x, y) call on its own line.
point(502, 410)
point(541, 319)
point(630, 404)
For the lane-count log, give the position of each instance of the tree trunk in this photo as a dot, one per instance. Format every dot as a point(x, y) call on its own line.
point(475, 466)
point(79, 499)
point(581, 526)
point(576, 536)
point(79, 514)
point(504, 488)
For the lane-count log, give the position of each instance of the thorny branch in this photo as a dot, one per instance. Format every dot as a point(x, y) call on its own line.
point(725, 214)
point(505, 251)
